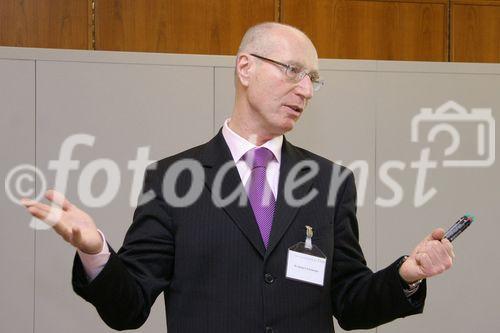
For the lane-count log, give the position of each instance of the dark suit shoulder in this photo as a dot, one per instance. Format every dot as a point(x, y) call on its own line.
point(163, 164)
point(323, 162)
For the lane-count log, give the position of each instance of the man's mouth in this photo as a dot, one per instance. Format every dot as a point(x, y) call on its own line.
point(295, 108)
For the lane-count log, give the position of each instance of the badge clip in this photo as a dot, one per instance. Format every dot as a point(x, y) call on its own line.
point(309, 234)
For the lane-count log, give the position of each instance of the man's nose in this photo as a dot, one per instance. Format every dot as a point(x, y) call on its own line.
point(305, 87)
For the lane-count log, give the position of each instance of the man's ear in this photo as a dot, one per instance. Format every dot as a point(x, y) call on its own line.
point(243, 69)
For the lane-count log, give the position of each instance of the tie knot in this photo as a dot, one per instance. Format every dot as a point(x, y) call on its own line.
point(258, 157)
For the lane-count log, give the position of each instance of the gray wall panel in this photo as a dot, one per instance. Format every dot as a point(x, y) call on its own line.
point(462, 300)
point(17, 146)
point(339, 124)
point(173, 102)
point(124, 107)
point(224, 95)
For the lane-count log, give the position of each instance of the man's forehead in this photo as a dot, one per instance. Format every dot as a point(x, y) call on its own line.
point(295, 49)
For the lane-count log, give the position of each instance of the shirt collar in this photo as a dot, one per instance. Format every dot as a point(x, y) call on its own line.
point(239, 146)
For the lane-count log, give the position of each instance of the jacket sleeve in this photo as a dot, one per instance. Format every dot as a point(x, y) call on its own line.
point(129, 283)
point(362, 299)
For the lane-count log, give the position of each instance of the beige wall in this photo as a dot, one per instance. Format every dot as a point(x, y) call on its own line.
point(171, 102)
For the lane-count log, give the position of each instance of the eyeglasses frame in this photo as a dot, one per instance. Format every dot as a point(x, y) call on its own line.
point(316, 81)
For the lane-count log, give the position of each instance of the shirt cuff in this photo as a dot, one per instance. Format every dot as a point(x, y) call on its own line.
point(409, 292)
point(94, 263)
point(408, 289)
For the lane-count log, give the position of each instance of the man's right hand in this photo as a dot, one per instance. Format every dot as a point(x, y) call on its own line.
point(73, 224)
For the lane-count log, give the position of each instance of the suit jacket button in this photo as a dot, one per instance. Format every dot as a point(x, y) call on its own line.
point(269, 279)
point(269, 330)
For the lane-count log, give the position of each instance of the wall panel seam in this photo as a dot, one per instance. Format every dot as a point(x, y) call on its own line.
point(213, 99)
point(92, 26)
point(36, 191)
point(448, 25)
point(277, 10)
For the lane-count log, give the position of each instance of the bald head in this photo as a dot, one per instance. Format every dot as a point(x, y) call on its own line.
point(270, 39)
point(269, 98)
point(264, 38)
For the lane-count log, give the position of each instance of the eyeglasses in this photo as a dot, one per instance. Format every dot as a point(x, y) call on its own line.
point(296, 74)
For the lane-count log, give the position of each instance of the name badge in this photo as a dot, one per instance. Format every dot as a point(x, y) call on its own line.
point(306, 262)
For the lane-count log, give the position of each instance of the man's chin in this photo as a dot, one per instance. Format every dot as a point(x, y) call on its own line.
point(287, 126)
point(283, 126)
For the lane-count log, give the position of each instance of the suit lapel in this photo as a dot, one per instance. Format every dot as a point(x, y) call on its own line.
point(215, 156)
point(285, 213)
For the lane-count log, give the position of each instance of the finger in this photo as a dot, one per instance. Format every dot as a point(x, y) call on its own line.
point(58, 198)
point(432, 236)
point(438, 234)
point(41, 210)
point(54, 215)
point(440, 258)
point(443, 248)
point(419, 248)
point(28, 202)
point(439, 255)
point(424, 262)
point(449, 247)
point(50, 216)
point(53, 212)
point(38, 212)
point(32, 203)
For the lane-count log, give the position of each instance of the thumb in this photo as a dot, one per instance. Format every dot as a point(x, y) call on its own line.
point(84, 243)
point(76, 236)
point(437, 234)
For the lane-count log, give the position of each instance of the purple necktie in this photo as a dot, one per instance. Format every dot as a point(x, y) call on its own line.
point(259, 192)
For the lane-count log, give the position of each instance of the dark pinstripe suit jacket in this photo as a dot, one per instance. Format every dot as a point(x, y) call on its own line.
point(215, 272)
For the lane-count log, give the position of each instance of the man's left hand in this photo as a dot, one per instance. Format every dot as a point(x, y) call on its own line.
point(432, 256)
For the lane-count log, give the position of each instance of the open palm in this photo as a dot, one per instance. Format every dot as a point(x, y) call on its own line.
point(73, 224)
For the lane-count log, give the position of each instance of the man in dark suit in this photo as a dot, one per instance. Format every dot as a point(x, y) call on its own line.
point(223, 259)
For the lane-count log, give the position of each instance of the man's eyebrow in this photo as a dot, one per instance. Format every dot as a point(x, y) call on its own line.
point(295, 64)
point(301, 66)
